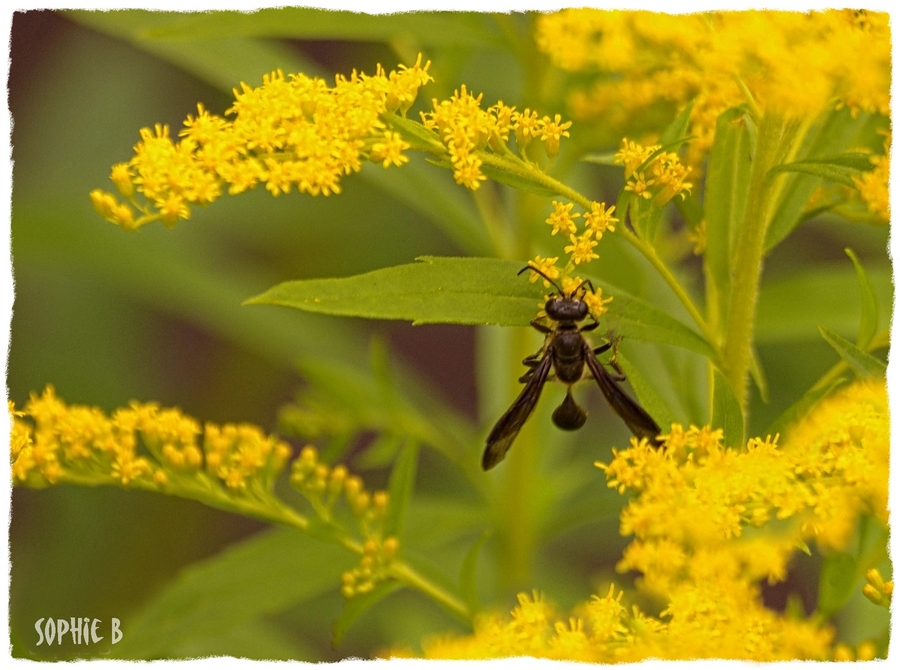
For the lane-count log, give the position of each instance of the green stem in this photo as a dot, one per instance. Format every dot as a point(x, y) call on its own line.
point(774, 138)
point(489, 210)
point(404, 574)
point(649, 252)
point(516, 505)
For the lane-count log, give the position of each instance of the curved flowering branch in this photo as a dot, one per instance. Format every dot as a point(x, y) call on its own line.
point(289, 133)
point(231, 467)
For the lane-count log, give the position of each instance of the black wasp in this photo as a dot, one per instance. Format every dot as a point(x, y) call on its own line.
point(567, 351)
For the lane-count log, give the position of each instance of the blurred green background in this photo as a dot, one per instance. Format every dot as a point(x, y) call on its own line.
point(107, 316)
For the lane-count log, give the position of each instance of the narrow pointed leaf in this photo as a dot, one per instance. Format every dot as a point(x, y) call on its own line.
point(801, 408)
point(826, 289)
point(868, 320)
point(677, 130)
point(837, 582)
point(434, 290)
point(633, 318)
point(468, 574)
point(646, 394)
point(358, 605)
point(431, 28)
point(862, 363)
point(606, 158)
point(727, 413)
point(400, 488)
point(829, 138)
point(467, 291)
point(840, 169)
point(255, 578)
point(758, 375)
point(727, 183)
point(414, 131)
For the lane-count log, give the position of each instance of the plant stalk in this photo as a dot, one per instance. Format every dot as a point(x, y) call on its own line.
point(775, 136)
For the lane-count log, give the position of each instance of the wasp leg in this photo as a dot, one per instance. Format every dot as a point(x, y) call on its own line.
point(534, 360)
point(619, 377)
point(537, 325)
point(603, 348)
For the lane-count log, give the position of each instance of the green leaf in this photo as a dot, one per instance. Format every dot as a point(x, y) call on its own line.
point(727, 184)
point(381, 452)
point(414, 131)
point(438, 521)
point(605, 158)
point(633, 318)
point(223, 60)
point(258, 640)
point(411, 411)
point(677, 130)
point(862, 363)
point(690, 209)
point(727, 413)
point(358, 605)
point(644, 216)
point(463, 29)
point(841, 168)
point(468, 574)
point(646, 393)
point(266, 574)
point(837, 583)
point(832, 136)
point(801, 408)
point(759, 375)
point(467, 291)
point(434, 290)
point(868, 320)
point(400, 488)
point(433, 194)
point(791, 306)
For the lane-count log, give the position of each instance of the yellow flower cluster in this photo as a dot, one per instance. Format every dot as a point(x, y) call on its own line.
point(581, 250)
point(323, 486)
point(53, 443)
point(796, 63)
point(289, 132)
point(709, 524)
point(873, 185)
point(603, 630)
point(695, 496)
point(653, 174)
point(466, 129)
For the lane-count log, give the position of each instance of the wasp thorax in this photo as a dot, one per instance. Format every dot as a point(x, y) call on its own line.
point(566, 309)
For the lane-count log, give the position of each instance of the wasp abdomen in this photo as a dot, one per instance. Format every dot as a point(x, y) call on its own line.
point(569, 416)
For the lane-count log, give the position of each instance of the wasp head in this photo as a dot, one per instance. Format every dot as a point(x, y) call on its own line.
point(566, 308)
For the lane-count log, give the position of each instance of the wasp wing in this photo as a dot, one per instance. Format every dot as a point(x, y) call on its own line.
point(506, 429)
point(635, 417)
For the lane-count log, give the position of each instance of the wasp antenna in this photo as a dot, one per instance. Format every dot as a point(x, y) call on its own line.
point(541, 273)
